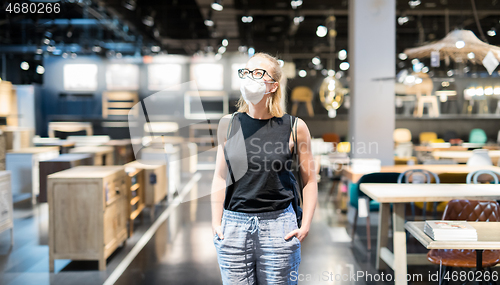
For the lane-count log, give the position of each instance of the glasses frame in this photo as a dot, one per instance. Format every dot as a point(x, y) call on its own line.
point(251, 72)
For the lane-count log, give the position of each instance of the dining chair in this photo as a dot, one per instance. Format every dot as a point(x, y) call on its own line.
point(473, 176)
point(473, 211)
point(425, 176)
point(355, 193)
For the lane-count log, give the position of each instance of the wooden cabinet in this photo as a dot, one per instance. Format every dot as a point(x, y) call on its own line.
point(103, 155)
point(18, 137)
point(172, 157)
point(87, 213)
point(154, 180)
point(24, 165)
point(6, 205)
point(60, 163)
point(135, 193)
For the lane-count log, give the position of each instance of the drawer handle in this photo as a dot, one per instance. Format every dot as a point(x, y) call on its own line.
point(117, 190)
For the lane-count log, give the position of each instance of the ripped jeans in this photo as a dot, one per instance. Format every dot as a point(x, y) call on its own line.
point(254, 249)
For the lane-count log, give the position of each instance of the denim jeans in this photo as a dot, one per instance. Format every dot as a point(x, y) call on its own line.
point(254, 249)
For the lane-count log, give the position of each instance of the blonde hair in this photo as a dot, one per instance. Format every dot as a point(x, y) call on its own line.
point(276, 102)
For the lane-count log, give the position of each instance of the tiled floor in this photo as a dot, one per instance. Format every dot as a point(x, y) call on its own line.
point(182, 252)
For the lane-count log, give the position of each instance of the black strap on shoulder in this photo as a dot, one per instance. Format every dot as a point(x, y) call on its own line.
point(230, 125)
point(227, 137)
point(294, 124)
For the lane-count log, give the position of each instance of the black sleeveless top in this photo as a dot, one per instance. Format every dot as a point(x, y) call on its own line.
point(259, 161)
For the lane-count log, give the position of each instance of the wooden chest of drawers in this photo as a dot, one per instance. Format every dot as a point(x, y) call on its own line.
point(87, 213)
point(60, 163)
point(6, 218)
point(24, 165)
point(155, 182)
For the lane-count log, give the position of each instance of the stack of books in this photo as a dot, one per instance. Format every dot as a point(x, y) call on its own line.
point(450, 230)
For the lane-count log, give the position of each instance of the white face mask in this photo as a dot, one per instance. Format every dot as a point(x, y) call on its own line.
point(252, 91)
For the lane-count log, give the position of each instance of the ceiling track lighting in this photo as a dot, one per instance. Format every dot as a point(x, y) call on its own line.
point(296, 3)
point(217, 5)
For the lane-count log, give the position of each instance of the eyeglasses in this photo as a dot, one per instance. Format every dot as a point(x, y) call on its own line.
point(254, 74)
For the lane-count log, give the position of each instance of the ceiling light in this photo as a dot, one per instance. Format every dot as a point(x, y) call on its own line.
point(209, 23)
point(449, 73)
point(316, 60)
point(460, 44)
point(418, 80)
point(488, 90)
point(39, 51)
point(297, 20)
point(225, 42)
point(281, 62)
point(73, 55)
point(492, 32)
point(414, 3)
point(242, 48)
point(118, 55)
point(218, 56)
point(65, 55)
point(342, 54)
point(96, 48)
point(155, 48)
point(217, 5)
point(415, 61)
point(302, 73)
point(149, 20)
point(40, 69)
point(296, 3)
point(46, 41)
point(471, 55)
point(51, 48)
point(251, 51)
point(247, 19)
point(402, 56)
point(321, 31)
point(25, 65)
point(425, 69)
point(403, 20)
point(222, 49)
point(331, 72)
point(344, 65)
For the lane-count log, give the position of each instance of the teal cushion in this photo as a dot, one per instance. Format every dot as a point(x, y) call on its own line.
point(477, 136)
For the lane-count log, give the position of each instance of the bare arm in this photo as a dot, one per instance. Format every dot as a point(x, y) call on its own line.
point(219, 181)
point(308, 174)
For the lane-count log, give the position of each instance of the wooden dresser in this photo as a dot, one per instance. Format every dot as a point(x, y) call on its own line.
point(60, 163)
point(155, 182)
point(87, 213)
point(103, 155)
point(6, 205)
point(24, 165)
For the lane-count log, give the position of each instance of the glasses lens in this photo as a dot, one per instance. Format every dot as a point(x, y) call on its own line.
point(242, 73)
point(258, 73)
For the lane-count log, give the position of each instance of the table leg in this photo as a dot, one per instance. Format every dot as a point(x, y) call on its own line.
point(479, 263)
point(382, 237)
point(399, 237)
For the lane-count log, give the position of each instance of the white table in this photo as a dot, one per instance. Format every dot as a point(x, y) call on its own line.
point(398, 195)
point(487, 239)
point(463, 156)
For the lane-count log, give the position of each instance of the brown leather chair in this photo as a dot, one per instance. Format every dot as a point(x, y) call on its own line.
point(467, 210)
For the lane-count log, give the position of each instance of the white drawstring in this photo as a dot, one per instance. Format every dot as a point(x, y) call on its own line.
point(254, 224)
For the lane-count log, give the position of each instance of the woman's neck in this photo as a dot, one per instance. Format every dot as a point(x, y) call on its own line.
point(259, 111)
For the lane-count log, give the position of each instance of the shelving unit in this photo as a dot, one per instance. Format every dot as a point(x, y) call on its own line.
point(135, 193)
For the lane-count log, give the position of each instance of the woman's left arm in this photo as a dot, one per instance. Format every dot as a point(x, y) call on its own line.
point(308, 174)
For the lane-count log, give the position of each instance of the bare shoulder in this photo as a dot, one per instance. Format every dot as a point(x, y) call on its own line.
point(302, 129)
point(223, 125)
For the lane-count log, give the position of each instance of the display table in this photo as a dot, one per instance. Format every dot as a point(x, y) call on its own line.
point(87, 213)
point(438, 169)
point(123, 152)
point(103, 155)
point(60, 163)
point(24, 165)
point(18, 137)
point(63, 145)
point(6, 205)
point(155, 182)
point(398, 195)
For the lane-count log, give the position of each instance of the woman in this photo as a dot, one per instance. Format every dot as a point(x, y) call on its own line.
point(255, 228)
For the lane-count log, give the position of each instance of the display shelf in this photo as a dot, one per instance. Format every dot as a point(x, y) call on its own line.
point(135, 193)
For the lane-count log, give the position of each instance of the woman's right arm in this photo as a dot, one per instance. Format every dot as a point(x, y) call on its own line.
point(219, 180)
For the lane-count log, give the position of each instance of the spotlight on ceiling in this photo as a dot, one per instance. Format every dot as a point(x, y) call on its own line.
point(460, 44)
point(297, 20)
point(209, 22)
point(251, 51)
point(344, 66)
point(342, 54)
point(155, 48)
point(225, 42)
point(492, 32)
point(403, 20)
point(321, 31)
point(402, 56)
point(296, 3)
point(96, 48)
point(316, 60)
point(302, 73)
point(40, 69)
point(221, 50)
point(25, 65)
point(247, 19)
point(149, 20)
point(414, 3)
point(217, 5)
point(130, 4)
